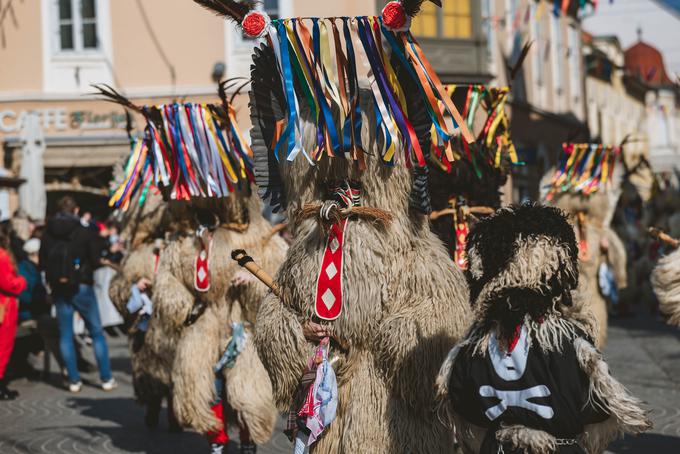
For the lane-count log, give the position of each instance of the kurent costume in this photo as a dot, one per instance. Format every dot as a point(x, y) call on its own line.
point(151, 343)
point(469, 187)
point(342, 110)
point(198, 157)
point(587, 186)
point(527, 377)
point(666, 284)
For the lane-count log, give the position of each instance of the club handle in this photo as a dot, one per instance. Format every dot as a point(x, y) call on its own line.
point(247, 262)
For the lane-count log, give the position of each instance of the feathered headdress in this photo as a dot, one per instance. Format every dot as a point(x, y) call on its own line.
point(188, 150)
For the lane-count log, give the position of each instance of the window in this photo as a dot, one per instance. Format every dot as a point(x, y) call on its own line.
point(271, 7)
point(556, 56)
point(574, 63)
point(539, 47)
point(511, 22)
point(78, 25)
point(490, 32)
point(452, 21)
point(540, 53)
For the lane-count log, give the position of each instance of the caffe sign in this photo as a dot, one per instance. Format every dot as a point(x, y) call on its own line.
point(61, 119)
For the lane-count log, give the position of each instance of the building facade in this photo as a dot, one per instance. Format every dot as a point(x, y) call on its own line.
point(547, 104)
point(157, 51)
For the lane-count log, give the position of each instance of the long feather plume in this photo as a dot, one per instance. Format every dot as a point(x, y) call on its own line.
point(107, 93)
point(229, 9)
point(412, 7)
point(520, 60)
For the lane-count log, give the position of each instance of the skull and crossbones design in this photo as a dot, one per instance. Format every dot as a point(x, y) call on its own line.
point(511, 366)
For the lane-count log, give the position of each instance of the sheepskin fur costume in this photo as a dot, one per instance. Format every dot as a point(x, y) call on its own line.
point(603, 244)
point(238, 225)
point(527, 377)
point(151, 352)
point(404, 303)
point(666, 282)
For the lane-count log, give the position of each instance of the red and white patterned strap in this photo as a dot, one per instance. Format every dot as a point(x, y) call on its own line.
point(329, 282)
point(329, 292)
point(202, 268)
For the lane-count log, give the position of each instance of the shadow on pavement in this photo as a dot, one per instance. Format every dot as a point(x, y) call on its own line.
point(645, 444)
point(124, 427)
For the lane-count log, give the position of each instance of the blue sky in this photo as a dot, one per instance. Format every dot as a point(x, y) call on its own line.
point(659, 21)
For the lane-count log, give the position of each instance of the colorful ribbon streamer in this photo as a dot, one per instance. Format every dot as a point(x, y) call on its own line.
point(321, 62)
point(584, 169)
point(493, 141)
point(193, 150)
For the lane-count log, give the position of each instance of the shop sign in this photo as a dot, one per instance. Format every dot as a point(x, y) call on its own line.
point(61, 119)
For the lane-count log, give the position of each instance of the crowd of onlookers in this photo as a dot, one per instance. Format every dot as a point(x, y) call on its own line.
point(54, 279)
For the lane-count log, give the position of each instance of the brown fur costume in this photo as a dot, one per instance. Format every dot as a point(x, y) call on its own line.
point(201, 344)
point(404, 302)
point(152, 360)
point(666, 282)
point(599, 210)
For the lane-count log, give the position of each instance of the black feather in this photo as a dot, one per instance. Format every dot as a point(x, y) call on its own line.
point(520, 60)
point(107, 93)
point(267, 102)
point(413, 7)
point(229, 9)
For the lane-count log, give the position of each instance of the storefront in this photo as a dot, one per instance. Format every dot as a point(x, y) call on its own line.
point(83, 140)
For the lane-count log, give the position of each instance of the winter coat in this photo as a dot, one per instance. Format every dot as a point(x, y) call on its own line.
point(85, 244)
point(11, 284)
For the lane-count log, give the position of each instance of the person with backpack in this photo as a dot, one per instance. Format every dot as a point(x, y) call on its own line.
point(69, 255)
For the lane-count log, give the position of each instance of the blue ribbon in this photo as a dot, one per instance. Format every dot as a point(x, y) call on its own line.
point(289, 132)
point(173, 124)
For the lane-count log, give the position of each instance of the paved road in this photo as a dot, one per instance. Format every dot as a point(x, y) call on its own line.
point(642, 352)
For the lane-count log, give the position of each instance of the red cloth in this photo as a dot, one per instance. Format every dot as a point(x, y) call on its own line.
point(11, 285)
point(219, 436)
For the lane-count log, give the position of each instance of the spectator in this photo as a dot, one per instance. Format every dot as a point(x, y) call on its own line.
point(33, 300)
point(11, 285)
point(69, 256)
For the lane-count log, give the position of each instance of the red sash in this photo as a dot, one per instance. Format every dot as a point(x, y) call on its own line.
point(329, 283)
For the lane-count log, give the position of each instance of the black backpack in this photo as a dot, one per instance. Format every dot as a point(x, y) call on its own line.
point(63, 267)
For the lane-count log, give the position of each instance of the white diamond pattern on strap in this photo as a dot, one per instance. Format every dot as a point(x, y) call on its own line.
point(202, 274)
point(331, 270)
point(335, 244)
point(328, 298)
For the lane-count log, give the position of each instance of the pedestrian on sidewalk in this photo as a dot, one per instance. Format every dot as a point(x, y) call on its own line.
point(11, 285)
point(69, 255)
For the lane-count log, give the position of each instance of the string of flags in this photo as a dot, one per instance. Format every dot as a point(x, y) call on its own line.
point(194, 150)
point(584, 169)
point(493, 141)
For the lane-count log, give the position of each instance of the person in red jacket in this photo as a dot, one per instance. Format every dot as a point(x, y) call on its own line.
point(11, 285)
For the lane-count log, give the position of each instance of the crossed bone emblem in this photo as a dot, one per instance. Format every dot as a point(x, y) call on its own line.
point(517, 399)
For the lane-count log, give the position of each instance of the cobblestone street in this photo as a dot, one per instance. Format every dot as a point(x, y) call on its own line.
point(46, 419)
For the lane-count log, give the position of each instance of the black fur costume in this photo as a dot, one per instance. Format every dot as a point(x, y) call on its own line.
point(527, 377)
